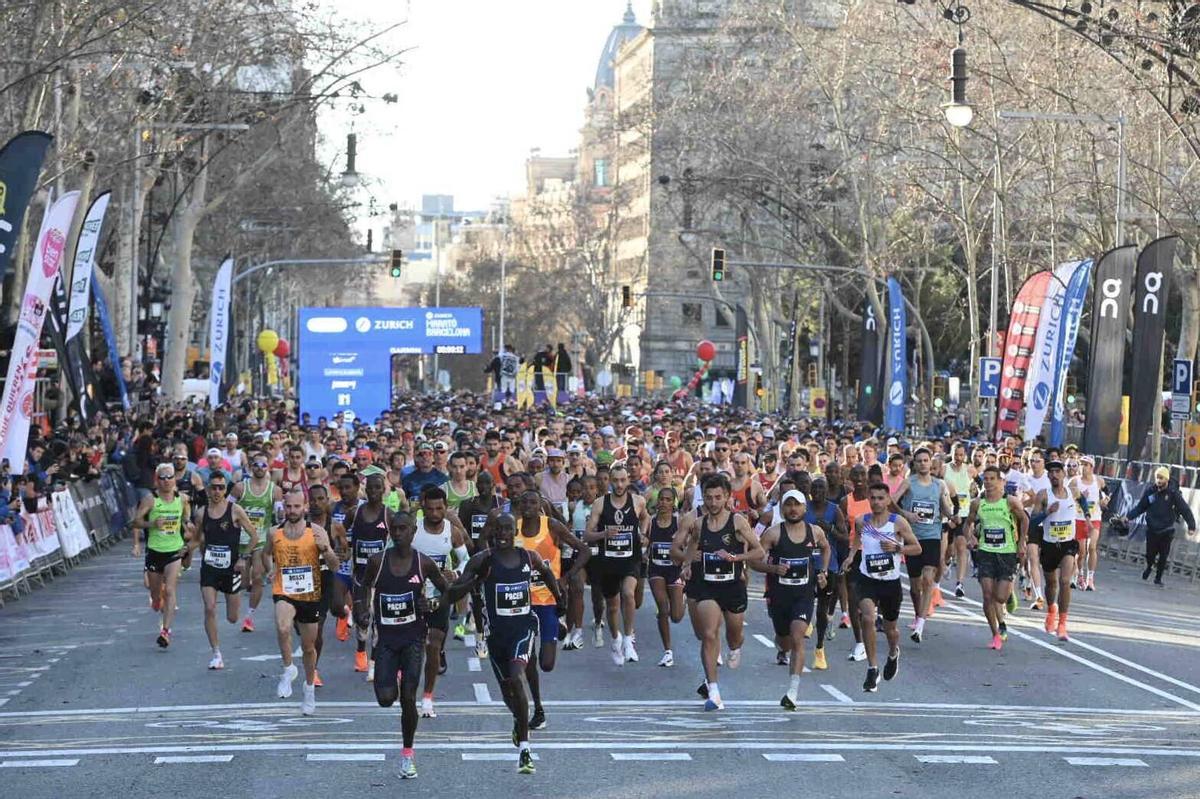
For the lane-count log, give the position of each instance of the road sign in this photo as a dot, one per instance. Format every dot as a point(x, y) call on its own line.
point(1181, 389)
point(989, 378)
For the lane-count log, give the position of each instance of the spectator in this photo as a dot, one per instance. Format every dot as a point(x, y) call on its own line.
point(1163, 505)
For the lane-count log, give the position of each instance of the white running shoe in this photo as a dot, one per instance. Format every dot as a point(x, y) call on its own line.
point(216, 662)
point(631, 654)
point(371, 671)
point(290, 673)
point(427, 708)
point(735, 658)
point(308, 705)
point(720, 659)
point(597, 635)
point(859, 653)
point(481, 650)
point(618, 651)
point(668, 659)
point(577, 638)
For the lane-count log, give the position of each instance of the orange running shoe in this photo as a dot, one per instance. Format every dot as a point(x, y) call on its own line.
point(317, 680)
point(360, 661)
point(343, 627)
point(1052, 619)
point(1062, 628)
point(248, 625)
point(937, 596)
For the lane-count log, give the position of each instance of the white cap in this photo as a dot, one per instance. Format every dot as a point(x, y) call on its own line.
point(794, 494)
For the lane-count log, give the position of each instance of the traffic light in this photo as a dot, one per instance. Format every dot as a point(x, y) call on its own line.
point(397, 262)
point(758, 387)
point(626, 297)
point(718, 264)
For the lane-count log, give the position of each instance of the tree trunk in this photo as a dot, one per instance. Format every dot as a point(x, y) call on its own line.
point(183, 288)
point(1189, 328)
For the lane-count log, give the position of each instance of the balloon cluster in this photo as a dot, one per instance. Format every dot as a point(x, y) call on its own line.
point(706, 351)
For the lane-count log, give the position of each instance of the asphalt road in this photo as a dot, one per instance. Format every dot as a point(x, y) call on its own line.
point(89, 702)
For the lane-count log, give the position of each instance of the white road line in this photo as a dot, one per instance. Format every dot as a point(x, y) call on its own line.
point(25, 684)
point(473, 664)
point(477, 756)
point(1105, 761)
point(14, 693)
point(836, 694)
point(172, 759)
point(38, 763)
point(482, 695)
point(349, 757)
point(948, 759)
point(4, 702)
point(764, 640)
point(799, 757)
point(650, 756)
point(469, 640)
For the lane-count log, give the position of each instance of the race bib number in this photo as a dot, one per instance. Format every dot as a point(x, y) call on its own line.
point(512, 599)
point(397, 609)
point(924, 511)
point(217, 556)
point(880, 562)
point(995, 536)
point(797, 573)
point(345, 567)
point(478, 521)
point(566, 551)
point(363, 550)
point(297, 580)
point(440, 562)
point(619, 545)
point(660, 554)
point(594, 549)
point(1059, 532)
point(717, 569)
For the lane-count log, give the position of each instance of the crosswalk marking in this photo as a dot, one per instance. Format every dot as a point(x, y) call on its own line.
point(799, 757)
point(346, 756)
point(171, 759)
point(650, 756)
point(482, 695)
point(1105, 761)
point(947, 759)
point(473, 664)
point(504, 756)
point(38, 763)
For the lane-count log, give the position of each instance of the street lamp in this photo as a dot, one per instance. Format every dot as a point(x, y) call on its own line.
point(958, 111)
point(350, 178)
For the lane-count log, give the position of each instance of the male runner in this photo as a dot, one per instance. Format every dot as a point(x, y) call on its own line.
point(162, 515)
point(332, 599)
point(459, 487)
point(474, 513)
point(1030, 487)
point(958, 478)
point(259, 496)
point(855, 505)
point(348, 485)
point(297, 549)
point(1091, 488)
point(996, 529)
point(924, 500)
point(828, 517)
point(617, 520)
point(367, 531)
point(1059, 547)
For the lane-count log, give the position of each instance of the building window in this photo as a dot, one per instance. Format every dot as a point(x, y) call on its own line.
point(722, 319)
point(600, 166)
point(693, 314)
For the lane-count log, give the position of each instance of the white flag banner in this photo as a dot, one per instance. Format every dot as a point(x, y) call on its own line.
point(16, 407)
point(1044, 362)
point(218, 330)
point(85, 261)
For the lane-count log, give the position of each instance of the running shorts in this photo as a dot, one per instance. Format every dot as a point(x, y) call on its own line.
point(886, 594)
point(931, 557)
point(226, 581)
point(516, 646)
point(731, 598)
point(157, 562)
point(783, 611)
point(547, 622)
point(1051, 555)
point(996, 565)
point(405, 659)
point(306, 612)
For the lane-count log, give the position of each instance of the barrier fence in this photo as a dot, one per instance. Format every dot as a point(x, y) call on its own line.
point(81, 520)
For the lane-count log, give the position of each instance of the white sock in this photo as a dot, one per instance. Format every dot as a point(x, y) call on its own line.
point(250, 613)
point(920, 624)
point(714, 693)
point(524, 746)
point(216, 651)
point(794, 687)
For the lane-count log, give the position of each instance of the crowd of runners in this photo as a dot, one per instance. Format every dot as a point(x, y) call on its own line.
point(541, 529)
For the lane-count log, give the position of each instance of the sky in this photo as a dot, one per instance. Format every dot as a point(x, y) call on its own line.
point(484, 82)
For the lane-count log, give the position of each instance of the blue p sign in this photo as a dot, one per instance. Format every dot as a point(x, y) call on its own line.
point(1181, 377)
point(989, 378)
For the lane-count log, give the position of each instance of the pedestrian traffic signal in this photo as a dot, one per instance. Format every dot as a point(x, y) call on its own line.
point(397, 262)
point(626, 297)
point(718, 264)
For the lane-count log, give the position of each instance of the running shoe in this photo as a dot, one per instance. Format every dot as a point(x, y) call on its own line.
point(618, 651)
point(1052, 619)
point(1091, 583)
point(343, 629)
point(668, 659)
point(1003, 631)
point(1074, 584)
point(597, 635)
point(891, 666)
point(481, 650)
point(578, 638)
point(442, 665)
point(460, 631)
point(829, 634)
point(1012, 605)
point(156, 604)
point(703, 690)
point(786, 703)
point(360, 661)
point(819, 662)
point(958, 591)
point(427, 708)
point(631, 655)
point(915, 636)
point(871, 684)
point(408, 769)
point(1062, 628)
point(216, 662)
point(937, 599)
point(164, 638)
point(525, 762)
point(248, 625)
point(569, 644)
point(735, 658)
point(859, 653)
point(996, 642)
point(317, 683)
point(1146, 573)
point(710, 704)
point(284, 689)
point(563, 632)
point(781, 657)
point(845, 622)
point(308, 704)
point(538, 722)
point(1039, 603)
point(808, 632)
point(720, 659)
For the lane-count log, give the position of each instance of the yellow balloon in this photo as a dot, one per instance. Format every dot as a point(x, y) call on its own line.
point(268, 340)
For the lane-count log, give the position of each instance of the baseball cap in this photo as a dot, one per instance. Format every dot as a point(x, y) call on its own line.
point(575, 447)
point(165, 470)
point(607, 430)
point(439, 446)
point(604, 458)
point(213, 451)
point(1059, 465)
point(554, 452)
point(1162, 471)
point(231, 436)
point(891, 442)
point(794, 495)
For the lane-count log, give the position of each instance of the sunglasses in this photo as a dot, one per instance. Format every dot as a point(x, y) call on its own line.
point(259, 464)
point(313, 466)
point(216, 487)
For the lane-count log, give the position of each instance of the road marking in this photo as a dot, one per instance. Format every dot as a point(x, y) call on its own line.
point(3, 702)
point(1105, 761)
point(476, 756)
point(25, 684)
point(799, 757)
point(38, 763)
point(473, 664)
point(764, 640)
point(1136, 666)
point(14, 693)
point(172, 759)
point(650, 756)
point(482, 695)
point(948, 759)
point(262, 658)
point(348, 757)
point(469, 640)
point(836, 694)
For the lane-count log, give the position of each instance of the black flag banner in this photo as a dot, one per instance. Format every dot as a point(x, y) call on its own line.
point(1111, 294)
point(1151, 291)
point(870, 408)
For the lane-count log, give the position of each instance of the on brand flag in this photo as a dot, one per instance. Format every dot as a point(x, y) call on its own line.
point(869, 400)
point(16, 407)
point(85, 261)
point(897, 379)
point(1018, 352)
point(1043, 365)
point(1151, 292)
point(110, 341)
point(218, 330)
point(1110, 318)
point(1076, 292)
point(20, 162)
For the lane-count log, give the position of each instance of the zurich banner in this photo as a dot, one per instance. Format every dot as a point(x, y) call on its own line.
point(345, 354)
point(1044, 361)
point(1077, 286)
point(897, 393)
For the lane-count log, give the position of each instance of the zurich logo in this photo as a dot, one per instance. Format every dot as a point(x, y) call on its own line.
point(362, 324)
point(896, 393)
point(1041, 395)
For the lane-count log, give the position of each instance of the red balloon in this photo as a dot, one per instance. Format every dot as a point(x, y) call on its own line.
point(706, 350)
point(282, 349)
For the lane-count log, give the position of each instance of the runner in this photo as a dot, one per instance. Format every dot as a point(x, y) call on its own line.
point(790, 565)
point(1030, 487)
point(332, 598)
point(855, 505)
point(259, 496)
point(881, 538)
point(162, 514)
point(924, 500)
point(1059, 547)
point(996, 525)
point(665, 584)
point(343, 583)
point(367, 532)
point(712, 552)
point(1087, 523)
point(577, 514)
point(297, 549)
point(828, 517)
point(218, 528)
point(958, 476)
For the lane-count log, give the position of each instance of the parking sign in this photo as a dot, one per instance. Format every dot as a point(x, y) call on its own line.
point(1181, 389)
point(989, 378)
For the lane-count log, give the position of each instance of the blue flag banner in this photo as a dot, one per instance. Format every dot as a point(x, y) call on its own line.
point(110, 339)
point(20, 162)
point(897, 394)
point(1073, 297)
